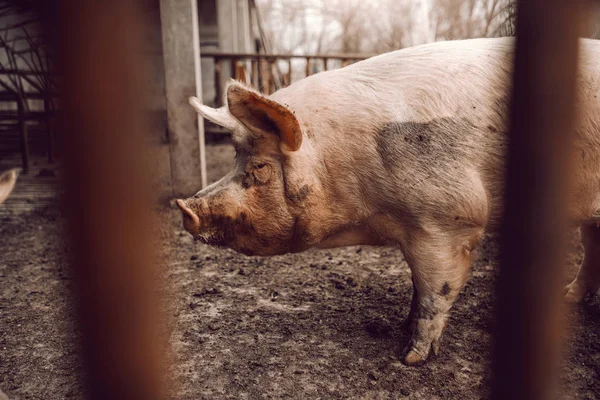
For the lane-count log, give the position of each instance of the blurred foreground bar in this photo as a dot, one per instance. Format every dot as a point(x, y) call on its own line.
point(529, 323)
point(108, 199)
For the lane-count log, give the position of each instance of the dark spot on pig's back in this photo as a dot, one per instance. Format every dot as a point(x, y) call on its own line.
point(431, 141)
point(416, 137)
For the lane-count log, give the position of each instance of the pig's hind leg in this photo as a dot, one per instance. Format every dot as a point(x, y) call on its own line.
point(440, 265)
point(588, 277)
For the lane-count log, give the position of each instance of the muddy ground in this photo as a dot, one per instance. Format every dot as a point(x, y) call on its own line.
point(316, 325)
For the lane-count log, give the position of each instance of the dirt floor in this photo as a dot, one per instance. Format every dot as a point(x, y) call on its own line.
point(316, 325)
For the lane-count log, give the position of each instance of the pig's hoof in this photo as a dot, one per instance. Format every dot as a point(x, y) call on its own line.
point(425, 340)
point(414, 358)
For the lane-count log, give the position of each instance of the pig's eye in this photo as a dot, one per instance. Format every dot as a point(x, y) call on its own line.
point(262, 172)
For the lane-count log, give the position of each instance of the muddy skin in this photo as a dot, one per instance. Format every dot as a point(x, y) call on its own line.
point(445, 289)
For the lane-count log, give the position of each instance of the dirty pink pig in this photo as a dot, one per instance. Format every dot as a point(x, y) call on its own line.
point(404, 149)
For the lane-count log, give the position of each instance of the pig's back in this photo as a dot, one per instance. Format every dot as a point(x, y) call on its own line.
point(458, 89)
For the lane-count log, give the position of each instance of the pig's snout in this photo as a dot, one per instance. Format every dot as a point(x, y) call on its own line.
point(191, 221)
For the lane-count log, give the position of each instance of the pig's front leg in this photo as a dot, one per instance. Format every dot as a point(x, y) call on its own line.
point(411, 320)
point(440, 266)
point(588, 277)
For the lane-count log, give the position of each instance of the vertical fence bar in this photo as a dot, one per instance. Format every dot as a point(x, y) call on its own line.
point(234, 74)
point(218, 97)
point(49, 130)
point(307, 72)
point(108, 198)
point(325, 63)
point(23, 134)
point(289, 74)
point(261, 83)
point(255, 73)
point(199, 91)
point(269, 76)
point(533, 243)
point(272, 75)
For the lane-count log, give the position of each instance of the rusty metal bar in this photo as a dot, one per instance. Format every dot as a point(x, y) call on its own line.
point(529, 323)
point(108, 198)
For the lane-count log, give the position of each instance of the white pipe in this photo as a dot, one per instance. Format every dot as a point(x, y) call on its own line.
point(198, 77)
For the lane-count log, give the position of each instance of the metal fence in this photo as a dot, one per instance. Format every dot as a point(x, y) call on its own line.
point(27, 82)
point(264, 72)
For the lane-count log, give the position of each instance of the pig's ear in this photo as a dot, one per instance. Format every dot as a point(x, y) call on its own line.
point(258, 113)
point(219, 116)
point(7, 183)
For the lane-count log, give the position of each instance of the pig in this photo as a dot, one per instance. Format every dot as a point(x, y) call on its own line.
point(403, 149)
point(7, 183)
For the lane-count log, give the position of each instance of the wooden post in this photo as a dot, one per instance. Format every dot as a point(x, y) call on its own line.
point(181, 58)
point(109, 200)
point(529, 323)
